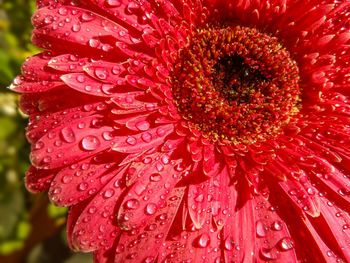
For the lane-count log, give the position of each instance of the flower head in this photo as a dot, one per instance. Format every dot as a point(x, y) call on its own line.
point(193, 130)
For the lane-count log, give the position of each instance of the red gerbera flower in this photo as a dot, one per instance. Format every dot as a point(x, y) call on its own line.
point(194, 130)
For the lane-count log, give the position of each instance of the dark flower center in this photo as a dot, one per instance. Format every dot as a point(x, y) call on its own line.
point(236, 84)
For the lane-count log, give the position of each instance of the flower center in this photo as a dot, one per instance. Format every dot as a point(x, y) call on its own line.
point(236, 84)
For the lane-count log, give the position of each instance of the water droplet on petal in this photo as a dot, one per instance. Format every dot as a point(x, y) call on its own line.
point(101, 73)
point(260, 229)
point(86, 17)
point(132, 203)
point(142, 125)
point(108, 193)
point(92, 210)
point(76, 28)
point(94, 43)
point(148, 260)
point(146, 137)
point(155, 177)
point(107, 135)
point(286, 244)
point(114, 3)
point(67, 179)
point(228, 244)
point(131, 140)
point(150, 209)
point(90, 143)
point(268, 254)
point(38, 145)
point(203, 240)
point(62, 11)
point(82, 186)
point(68, 134)
point(277, 225)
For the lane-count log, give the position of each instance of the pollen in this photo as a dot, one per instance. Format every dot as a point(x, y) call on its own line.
point(236, 84)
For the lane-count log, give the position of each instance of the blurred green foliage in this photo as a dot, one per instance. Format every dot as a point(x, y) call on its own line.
point(31, 229)
point(15, 28)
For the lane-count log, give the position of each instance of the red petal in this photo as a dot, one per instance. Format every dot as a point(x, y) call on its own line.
point(136, 245)
point(81, 180)
point(142, 141)
point(65, 145)
point(96, 228)
point(38, 180)
point(148, 193)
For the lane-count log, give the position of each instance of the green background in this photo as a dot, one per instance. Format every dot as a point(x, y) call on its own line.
point(31, 229)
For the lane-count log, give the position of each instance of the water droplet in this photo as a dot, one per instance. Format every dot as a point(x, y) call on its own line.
point(260, 229)
point(155, 177)
point(119, 249)
point(48, 20)
point(114, 3)
point(67, 179)
point(131, 140)
point(268, 254)
point(62, 11)
point(160, 132)
point(94, 43)
point(39, 145)
point(107, 135)
point(148, 260)
point(92, 210)
point(228, 243)
point(80, 78)
point(142, 125)
point(90, 143)
point(47, 159)
point(86, 17)
point(203, 240)
point(82, 186)
point(132, 203)
point(68, 134)
point(150, 209)
point(286, 244)
point(76, 28)
point(277, 225)
point(146, 137)
point(108, 193)
point(101, 73)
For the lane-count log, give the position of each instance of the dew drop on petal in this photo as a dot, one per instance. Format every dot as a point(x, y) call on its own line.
point(82, 186)
point(150, 209)
point(156, 177)
point(107, 135)
point(101, 73)
point(142, 125)
point(114, 3)
point(92, 210)
point(108, 193)
point(90, 143)
point(260, 229)
point(38, 145)
point(148, 260)
point(62, 11)
point(286, 243)
point(94, 43)
point(131, 140)
point(68, 134)
point(228, 244)
point(67, 179)
point(277, 225)
point(76, 28)
point(268, 254)
point(132, 203)
point(146, 137)
point(203, 240)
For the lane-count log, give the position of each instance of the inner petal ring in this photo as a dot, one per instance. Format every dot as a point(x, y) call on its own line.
point(236, 84)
